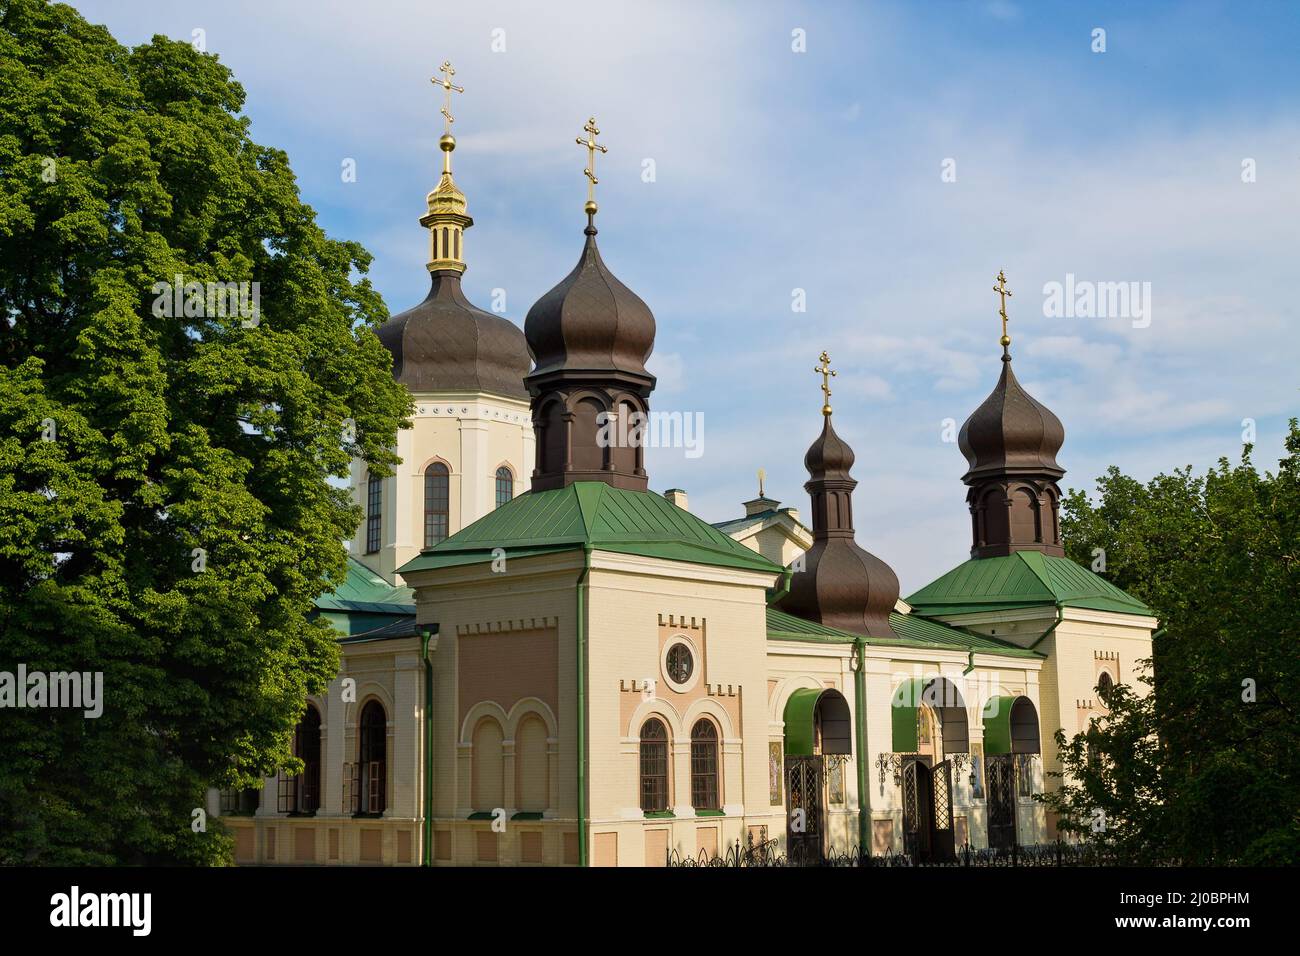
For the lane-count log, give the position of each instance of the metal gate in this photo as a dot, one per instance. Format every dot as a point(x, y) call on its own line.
point(804, 808)
point(927, 811)
point(943, 840)
point(999, 772)
point(916, 810)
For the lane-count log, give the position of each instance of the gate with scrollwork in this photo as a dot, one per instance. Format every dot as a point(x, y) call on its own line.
point(804, 807)
point(943, 845)
point(999, 772)
point(927, 811)
point(916, 810)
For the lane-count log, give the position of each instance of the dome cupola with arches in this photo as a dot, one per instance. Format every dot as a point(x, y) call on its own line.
point(1010, 443)
point(590, 337)
point(841, 584)
point(445, 343)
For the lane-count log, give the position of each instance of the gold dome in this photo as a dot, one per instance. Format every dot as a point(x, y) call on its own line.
point(447, 198)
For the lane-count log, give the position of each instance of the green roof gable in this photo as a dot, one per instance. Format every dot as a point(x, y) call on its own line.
point(1022, 579)
point(364, 590)
point(911, 631)
point(594, 514)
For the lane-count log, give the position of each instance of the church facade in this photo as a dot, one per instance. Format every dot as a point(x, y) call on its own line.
point(545, 662)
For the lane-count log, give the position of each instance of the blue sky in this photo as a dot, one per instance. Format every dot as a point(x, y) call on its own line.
point(822, 170)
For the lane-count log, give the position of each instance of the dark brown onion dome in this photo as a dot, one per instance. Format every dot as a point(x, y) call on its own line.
point(1010, 443)
point(590, 321)
point(1011, 433)
point(446, 344)
point(590, 337)
point(841, 585)
point(830, 455)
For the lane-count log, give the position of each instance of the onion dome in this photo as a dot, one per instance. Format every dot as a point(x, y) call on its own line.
point(1010, 443)
point(1011, 432)
point(590, 321)
point(446, 344)
point(842, 584)
point(830, 455)
point(590, 337)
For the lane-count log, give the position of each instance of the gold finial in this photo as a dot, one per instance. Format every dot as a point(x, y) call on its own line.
point(448, 142)
point(824, 370)
point(762, 477)
point(447, 217)
point(590, 172)
point(1005, 293)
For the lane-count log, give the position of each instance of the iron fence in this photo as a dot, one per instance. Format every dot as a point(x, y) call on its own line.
point(768, 854)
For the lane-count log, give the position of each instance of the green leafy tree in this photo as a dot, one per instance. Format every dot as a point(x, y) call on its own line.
point(167, 513)
point(1205, 770)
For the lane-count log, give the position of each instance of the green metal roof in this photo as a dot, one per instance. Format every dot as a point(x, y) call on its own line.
point(591, 513)
point(1023, 579)
point(911, 631)
point(363, 590)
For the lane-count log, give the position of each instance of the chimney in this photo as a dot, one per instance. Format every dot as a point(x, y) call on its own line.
point(677, 497)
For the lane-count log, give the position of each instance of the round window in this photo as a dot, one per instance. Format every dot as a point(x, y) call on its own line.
point(680, 663)
point(1105, 684)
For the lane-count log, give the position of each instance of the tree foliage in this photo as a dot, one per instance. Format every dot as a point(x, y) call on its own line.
point(1204, 770)
point(129, 440)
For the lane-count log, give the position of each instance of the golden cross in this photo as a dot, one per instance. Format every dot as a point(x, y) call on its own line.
point(1002, 290)
point(762, 476)
point(450, 88)
point(590, 172)
point(824, 370)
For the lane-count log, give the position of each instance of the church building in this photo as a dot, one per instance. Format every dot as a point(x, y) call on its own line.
point(546, 662)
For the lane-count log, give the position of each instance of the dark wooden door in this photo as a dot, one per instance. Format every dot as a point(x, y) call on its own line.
point(999, 773)
point(805, 825)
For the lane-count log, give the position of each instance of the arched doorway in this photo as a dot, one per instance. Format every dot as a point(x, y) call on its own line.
point(1010, 735)
point(818, 726)
point(929, 728)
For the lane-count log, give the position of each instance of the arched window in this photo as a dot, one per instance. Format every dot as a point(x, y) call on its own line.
point(487, 766)
point(1026, 519)
point(505, 485)
point(300, 793)
point(436, 480)
point(372, 767)
point(552, 438)
point(374, 513)
point(654, 766)
point(704, 766)
point(532, 785)
point(588, 451)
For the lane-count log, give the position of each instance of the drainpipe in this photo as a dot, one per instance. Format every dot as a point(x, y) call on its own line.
point(1060, 615)
point(860, 706)
point(581, 653)
point(425, 635)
